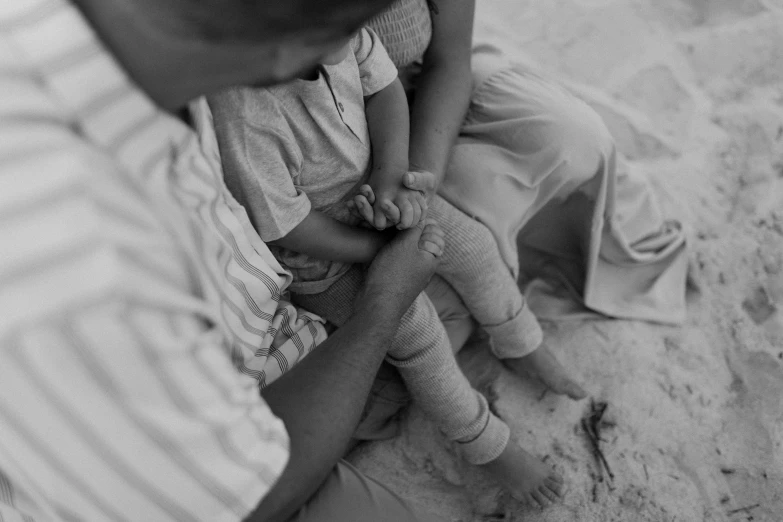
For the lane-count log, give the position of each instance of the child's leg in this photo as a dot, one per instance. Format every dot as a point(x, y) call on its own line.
point(472, 264)
point(423, 355)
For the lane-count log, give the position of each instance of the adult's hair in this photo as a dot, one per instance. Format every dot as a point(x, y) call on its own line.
point(260, 20)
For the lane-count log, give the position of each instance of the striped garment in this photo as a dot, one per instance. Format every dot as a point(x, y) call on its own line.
point(134, 295)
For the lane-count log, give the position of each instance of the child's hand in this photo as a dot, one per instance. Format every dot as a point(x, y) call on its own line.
point(401, 207)
point(405, 208)
point(361, 205)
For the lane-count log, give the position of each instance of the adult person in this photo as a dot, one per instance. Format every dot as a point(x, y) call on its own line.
point(521, 154)
point(133, 288)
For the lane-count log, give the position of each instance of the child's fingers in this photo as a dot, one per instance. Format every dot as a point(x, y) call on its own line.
point(353, 208)
point(406, 215)
point(379, 219)
point(391, 212)
point(364, 208)
point(367, 192)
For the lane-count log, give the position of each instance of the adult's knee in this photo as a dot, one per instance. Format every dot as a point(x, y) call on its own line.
point(576, 133)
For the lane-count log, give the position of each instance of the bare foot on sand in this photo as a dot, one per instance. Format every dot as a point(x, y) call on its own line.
point(544, 366)
point(525, 477)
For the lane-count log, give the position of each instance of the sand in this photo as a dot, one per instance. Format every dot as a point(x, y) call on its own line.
point(692, 90)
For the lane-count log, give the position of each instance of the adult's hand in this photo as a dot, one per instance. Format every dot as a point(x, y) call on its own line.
point(424, 181)
point(321, 398)
point(402, 269)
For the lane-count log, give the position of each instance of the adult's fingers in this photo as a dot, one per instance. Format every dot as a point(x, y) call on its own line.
point(398, 274)
point(434, 237)
point(420, 180)
point(432, 243)
point(432, 248)
point(432, 226)
point(424, 206)
point(417, 210)
point(406, 215)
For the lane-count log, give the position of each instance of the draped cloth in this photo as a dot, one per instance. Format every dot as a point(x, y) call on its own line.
point(579, 226)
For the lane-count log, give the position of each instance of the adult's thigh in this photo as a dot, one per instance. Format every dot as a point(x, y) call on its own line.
point(350, 496)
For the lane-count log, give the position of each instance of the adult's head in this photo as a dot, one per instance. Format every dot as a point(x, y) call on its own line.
point(177, 50)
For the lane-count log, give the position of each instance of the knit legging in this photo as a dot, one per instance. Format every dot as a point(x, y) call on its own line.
point(471, 263)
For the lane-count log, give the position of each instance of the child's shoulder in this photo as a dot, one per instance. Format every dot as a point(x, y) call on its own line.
point(254, 104)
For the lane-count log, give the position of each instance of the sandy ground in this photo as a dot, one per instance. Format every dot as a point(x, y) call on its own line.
point(693, 92)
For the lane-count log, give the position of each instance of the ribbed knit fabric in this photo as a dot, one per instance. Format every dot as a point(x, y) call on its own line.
point(405, 29)
point(472, 264)
point(423, 355)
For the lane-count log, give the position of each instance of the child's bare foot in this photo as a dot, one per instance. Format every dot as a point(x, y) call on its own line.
point(542, 365)
point(525, 477)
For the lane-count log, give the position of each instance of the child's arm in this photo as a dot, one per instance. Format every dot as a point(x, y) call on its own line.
point(387, 121)
point(322, 237)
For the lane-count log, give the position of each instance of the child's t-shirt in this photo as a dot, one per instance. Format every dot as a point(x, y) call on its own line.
point(287, 149)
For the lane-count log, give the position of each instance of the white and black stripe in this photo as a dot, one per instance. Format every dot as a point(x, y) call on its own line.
point(133, 302)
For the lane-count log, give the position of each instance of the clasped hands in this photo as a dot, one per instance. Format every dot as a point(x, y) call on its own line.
point(402, 204)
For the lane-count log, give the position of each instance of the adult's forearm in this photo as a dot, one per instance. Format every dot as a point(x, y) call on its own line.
point(442, 98)
point(320, 401)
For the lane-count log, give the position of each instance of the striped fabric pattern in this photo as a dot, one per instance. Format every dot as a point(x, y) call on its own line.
point(139, 311)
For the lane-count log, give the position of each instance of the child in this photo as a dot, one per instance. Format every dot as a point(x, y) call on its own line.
point(296, 155)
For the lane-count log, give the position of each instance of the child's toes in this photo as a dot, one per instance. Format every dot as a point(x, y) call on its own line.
point(549, 494)
point(540, 499)
point(556, 487)
point(528, 500)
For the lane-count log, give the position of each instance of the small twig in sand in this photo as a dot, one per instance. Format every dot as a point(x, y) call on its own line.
point(745, 509)
point(592, 426)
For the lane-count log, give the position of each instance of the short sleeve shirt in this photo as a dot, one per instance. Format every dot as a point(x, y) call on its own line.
point(139, 310)
point(290, 149)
